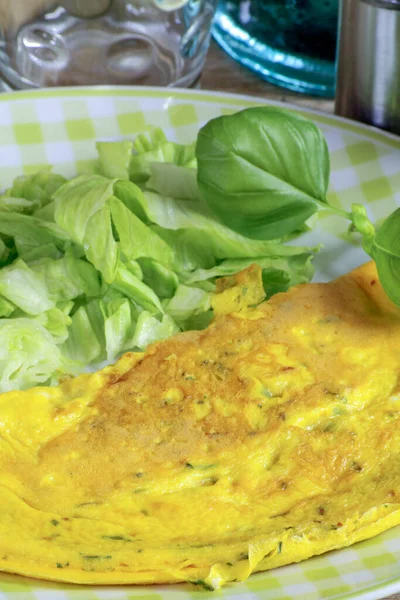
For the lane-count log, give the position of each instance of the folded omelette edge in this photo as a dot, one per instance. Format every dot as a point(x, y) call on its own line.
point(269, 437)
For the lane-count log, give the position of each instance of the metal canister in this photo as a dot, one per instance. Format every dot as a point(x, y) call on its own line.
point(368, 70)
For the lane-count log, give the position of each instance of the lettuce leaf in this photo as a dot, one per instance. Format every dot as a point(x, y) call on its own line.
point(195, 236)
point(4, 253)
point(298, 268)
point(134, 289)
point(119, 327)
point(164, 152)
point(39, 286)
point(104, 329)
point(82, 209)
point(100, 246)
point(32, 192)
point(136, 239)
point(86, 342)
point(67, 277)
point(57, 320)
point(187, 303)
point(163, 281)
point(149, 330)
point(6, 307)
point(32, 231)
point(149, 140)
point(25, 288)
point(173, 181)
point(115, 158)
point(199, 240)
point(133, 198)
point(78, 200)
point(19, 205)
point(31, 254)
point(28, 354)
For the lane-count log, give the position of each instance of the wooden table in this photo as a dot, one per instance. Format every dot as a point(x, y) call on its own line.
point(223, 74)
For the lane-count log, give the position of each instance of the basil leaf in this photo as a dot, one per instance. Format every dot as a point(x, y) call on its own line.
point(363, 225)
point(386, 253)
point(263, 170)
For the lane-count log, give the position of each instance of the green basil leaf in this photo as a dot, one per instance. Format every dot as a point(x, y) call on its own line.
point(363, 226)
point(263, 170)
point(386, 253)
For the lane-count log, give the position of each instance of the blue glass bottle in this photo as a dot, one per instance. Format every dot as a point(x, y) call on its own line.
point(291, 43)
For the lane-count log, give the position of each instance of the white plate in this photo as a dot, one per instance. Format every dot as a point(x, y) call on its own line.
point(60, 127)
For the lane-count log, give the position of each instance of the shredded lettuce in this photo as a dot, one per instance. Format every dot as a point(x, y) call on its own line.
point(134, 160)
point(200, 241)
point(188, 302)
point(32, 231)
point(68, 277)
point(115, 158)
point(29, 354)
point(133, 198)
point(86, 343)
point(100, 246)
point(26, 289)
point(132, 287)
point(20, 205)
point(4, 253)
point(135, 238)
point(119, 326)
point(57, 321)
point(31, 193)
point(279, 274)
point(173, 181)
point(165, 152)
point(35, 253)
point(149, 140)
point(78, 200)
point(82, 209)
point(149, 330)
point(163, 281)
point(114, 261)
point(6, 307)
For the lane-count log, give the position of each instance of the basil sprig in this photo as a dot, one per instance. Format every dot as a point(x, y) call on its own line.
point(264, 172)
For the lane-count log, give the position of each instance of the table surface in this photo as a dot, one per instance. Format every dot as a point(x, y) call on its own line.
point(221, 73)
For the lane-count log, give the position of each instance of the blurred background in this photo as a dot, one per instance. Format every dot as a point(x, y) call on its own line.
point(288, 42)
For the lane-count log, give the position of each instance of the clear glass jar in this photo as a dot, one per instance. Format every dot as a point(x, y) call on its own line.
point(91, 42)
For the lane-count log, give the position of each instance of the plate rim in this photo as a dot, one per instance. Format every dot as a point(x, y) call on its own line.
point(374, 592)
point(212, 96)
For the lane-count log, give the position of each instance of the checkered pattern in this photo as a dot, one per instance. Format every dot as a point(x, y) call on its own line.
point(60, 127)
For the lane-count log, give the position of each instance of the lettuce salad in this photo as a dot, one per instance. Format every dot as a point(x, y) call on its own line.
point(100, 264)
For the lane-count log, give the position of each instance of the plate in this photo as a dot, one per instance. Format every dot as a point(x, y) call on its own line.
point(60, 127)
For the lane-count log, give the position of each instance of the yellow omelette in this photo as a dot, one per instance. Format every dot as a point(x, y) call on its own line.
point(269, 437)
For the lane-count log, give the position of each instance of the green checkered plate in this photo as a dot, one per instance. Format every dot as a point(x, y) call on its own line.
point(60, 127)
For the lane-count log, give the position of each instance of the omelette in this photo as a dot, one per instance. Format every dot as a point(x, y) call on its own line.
point(270, 437)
